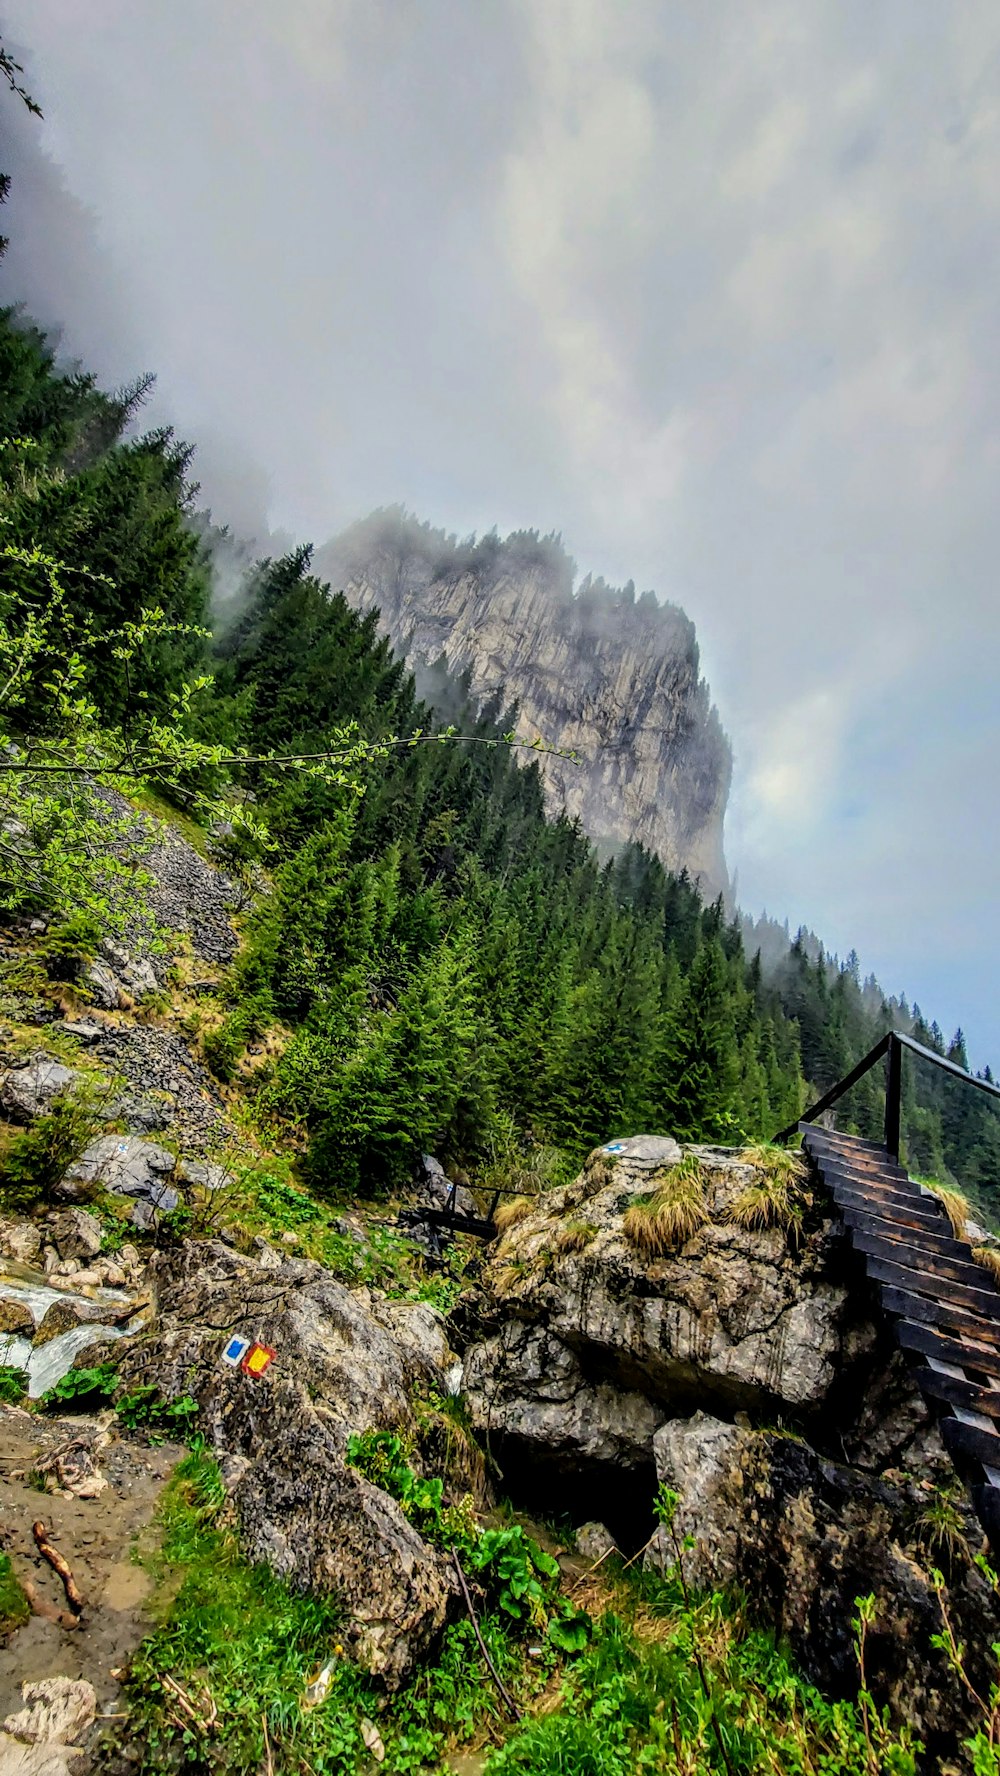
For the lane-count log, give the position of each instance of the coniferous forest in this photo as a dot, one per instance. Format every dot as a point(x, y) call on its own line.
point(441, 968)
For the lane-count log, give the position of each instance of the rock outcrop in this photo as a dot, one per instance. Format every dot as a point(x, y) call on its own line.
point(803, 1537)
point(748, 1371)
point(345, 1362)
point(612, 678)
point(579, 1345)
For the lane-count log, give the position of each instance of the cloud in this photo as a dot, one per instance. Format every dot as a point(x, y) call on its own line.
point(712, 290)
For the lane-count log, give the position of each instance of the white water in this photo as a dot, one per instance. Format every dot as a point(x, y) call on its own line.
point(45, 1364)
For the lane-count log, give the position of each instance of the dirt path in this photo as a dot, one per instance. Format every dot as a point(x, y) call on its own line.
point(95, 1535)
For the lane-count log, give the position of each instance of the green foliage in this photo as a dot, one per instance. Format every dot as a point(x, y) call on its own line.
point(70, 944)
point(14, 1606)
point(13, 1385)
point(33, 1163)
point(82, 1388)
point(144, 1409)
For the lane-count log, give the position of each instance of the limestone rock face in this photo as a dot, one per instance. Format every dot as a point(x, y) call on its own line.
point(282, 1438)
point(577, 1346)
point(803, 1537)
point(614, 679)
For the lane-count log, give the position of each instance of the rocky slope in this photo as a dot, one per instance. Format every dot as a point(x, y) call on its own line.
point(613, 679)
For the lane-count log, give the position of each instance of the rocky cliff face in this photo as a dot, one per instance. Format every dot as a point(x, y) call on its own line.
point(614, 678)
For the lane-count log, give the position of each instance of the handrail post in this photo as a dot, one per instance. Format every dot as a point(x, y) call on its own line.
point(893, 1094)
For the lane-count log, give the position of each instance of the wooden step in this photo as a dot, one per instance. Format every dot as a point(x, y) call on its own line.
point(889, 1227)
point(935, 1264)
point(927, 1341)
point(898, 1214)
point(951, 1320)
point(897, 1190)
point(971, 1441)
point(954, 1390)
point(939, 1289)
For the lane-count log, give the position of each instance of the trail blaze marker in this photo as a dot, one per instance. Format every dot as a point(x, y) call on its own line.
point(235, 1351)
point(258, 1358)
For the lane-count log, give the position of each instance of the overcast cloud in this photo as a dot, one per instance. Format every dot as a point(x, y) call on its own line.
point(713, 290)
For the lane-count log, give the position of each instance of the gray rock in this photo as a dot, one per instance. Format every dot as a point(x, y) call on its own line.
point(595, 1542)
point(28, 1091)
point(282, 1439)
point(128, 1166)
point(802, 1537)
point(20, 1240)
point(420, 1328)
point(103, 986)
point(141, 1116)
point(58, 1710)
point(204, 1174)
point(75, 1233)
point(84, 1029)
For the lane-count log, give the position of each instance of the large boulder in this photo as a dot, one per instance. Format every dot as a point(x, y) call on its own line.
point(578, 1343)
point(29, 1091)
point(802, 1537)
point(128, 1166)
point(282, 1438)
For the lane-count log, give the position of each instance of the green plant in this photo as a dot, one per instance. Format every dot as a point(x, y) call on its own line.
point(14, 1606)
point(38, 1157)
point(84, 1387)
point(666, 1220)
point(145, 1409)
point(13, 1384)
point(70, 943)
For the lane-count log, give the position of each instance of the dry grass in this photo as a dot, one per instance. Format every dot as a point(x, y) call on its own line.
point(666, 1220)
point(778, 1196)
point(574, 1236)
point(955, 1206)
point(510, 1214)
point(989, 1258)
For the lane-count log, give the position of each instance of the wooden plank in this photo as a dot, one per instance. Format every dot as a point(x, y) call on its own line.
point(893, 1226)
point(954, 1390)
point(951, 1322)
point(449, 1223)
point(970, 1442)
point(884, 1189)
point(896, 1213)
point(814, 1132)
point(986, 1303)
point(938, 1266)
point(872, 1158)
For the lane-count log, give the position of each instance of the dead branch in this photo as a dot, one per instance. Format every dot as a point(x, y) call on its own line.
point(73, 1595)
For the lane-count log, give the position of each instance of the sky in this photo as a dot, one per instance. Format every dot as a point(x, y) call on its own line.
point(714, 291)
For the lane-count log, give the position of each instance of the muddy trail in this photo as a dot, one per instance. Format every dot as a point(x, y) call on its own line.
point(96, 1495)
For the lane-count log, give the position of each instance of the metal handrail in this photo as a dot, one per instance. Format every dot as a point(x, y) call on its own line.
point(891, 1046)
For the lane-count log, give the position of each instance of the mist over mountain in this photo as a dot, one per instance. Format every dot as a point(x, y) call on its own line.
point(613, 678)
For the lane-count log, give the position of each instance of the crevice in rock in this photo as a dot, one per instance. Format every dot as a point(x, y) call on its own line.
point(610, 1493)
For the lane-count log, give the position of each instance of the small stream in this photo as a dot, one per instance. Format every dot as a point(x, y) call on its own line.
point(47, 1363)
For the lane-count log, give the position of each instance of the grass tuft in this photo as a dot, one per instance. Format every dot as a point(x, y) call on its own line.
point(665, 1221)
point(989, 1258)
point(574, 1236)
point(511, 1214)
point(955, 1206)
point(778, 1196)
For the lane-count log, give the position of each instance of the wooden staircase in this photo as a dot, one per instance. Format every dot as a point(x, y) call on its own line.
point(944, 1307)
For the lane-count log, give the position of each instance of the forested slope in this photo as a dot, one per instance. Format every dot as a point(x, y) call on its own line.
point(440, 966)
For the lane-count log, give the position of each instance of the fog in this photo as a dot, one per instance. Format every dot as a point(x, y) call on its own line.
point(712, 291)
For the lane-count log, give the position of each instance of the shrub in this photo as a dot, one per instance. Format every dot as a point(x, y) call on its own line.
point(39, 1157)
point(82, 1387)
point(70, 945)
point(665, 1221)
